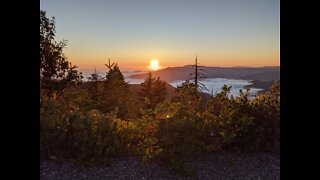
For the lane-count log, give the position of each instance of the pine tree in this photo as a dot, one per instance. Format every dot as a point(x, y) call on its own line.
point(116, 91)
point(159, 91)
point(153, 91)
point(93, 89)
point(146, 91)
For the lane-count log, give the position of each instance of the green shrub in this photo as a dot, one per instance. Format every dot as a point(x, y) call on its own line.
point(171, 133)
point(266, 110)
point(85, 137)
point(179, 138)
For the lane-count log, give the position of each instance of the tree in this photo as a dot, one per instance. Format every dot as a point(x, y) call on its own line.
point(93, 89)
point(187, 96)
point(159, 91)
point(220, 101)
point(196, 75)
point(116, 90)
point(55, 71)
point(146, 91)
point(153, 91)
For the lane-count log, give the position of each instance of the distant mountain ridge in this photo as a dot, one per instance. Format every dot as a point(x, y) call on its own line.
point(169, 74)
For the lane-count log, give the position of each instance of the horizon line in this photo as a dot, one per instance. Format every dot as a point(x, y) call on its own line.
point(102, 67)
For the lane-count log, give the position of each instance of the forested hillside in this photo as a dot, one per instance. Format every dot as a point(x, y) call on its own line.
point(182, 73)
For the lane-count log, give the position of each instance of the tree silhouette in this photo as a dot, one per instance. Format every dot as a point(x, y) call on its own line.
point(109, 66)
point(153, 91)
point(146, 91)
point(159, 91)
point(55, 71)
point(95, 78)
point(116, 91)
point(196, 75)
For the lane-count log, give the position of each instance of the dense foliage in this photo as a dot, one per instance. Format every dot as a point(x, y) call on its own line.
point(173, 131)
point(55, 71)
point(117, 93)
point(153, 92)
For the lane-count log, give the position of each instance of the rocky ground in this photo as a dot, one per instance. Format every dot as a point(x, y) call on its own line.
point(211, 166)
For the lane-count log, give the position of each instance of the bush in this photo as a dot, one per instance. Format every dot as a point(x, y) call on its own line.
point(170, 133)
point(243, 124)
point(179, 135)
point(266, 127)
point(85, 137)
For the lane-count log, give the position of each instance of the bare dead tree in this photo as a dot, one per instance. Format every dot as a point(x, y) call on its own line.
point(196, 75)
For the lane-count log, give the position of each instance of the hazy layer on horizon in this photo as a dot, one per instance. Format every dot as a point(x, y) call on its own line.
point(222, 33)
point(145, 68)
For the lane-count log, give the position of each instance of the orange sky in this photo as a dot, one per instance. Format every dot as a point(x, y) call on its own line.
point(169, 59)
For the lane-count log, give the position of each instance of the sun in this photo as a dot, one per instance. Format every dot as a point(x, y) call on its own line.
point(154, 64)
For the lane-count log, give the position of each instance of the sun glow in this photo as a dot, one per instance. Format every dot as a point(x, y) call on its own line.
point(154, 64)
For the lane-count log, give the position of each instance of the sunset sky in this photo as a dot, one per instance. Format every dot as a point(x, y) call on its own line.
point(133, 32)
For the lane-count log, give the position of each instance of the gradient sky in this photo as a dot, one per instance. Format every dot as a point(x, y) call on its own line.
point(132, 32)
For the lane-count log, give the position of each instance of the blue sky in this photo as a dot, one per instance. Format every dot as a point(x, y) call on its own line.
point(222, 33)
